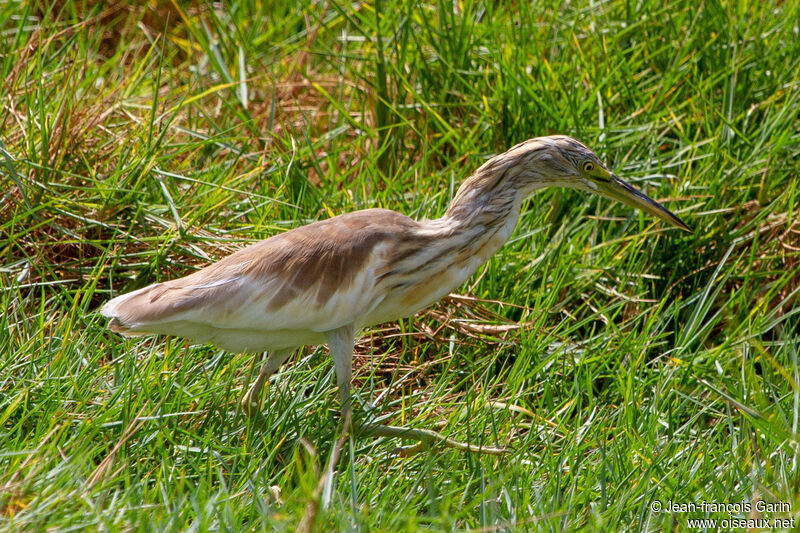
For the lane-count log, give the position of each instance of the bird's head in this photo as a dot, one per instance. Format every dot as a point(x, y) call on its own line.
point(561, 161)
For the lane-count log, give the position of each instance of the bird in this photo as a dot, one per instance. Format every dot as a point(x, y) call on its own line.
point(325, 281)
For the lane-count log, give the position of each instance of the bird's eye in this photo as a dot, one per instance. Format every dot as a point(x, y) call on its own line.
point(588, 166)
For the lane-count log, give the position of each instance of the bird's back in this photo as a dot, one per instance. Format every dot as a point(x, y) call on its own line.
point(282, 292)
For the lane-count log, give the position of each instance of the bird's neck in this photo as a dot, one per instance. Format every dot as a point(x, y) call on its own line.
point(444, 252)
point(486, 207)
point(480, 219)
point(488, 200)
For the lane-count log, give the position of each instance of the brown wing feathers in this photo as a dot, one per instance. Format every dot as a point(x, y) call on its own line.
point(322, 257)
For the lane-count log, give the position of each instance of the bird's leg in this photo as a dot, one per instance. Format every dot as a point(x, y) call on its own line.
point(251, 402)
point(340, 344)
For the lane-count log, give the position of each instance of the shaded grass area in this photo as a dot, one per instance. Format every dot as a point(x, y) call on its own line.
point(139, 143)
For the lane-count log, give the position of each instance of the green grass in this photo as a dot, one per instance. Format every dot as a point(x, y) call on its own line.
point(650, 365)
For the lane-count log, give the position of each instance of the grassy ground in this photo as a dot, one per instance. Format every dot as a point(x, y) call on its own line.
point(649, 366)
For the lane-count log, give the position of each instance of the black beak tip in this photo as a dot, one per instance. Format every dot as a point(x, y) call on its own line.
point(683, 225)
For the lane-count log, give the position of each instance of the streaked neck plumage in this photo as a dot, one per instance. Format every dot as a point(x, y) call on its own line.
point(481, 216)
point(491, 199)
point(496, 190)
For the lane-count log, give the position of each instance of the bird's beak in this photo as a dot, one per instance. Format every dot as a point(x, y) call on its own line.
point(616, 189)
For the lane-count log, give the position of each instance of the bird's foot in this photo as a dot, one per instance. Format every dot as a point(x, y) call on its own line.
point(251, 402)
point(427, 439)
point(250, 405)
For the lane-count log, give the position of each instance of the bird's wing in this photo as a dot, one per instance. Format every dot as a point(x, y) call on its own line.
point(317, 278)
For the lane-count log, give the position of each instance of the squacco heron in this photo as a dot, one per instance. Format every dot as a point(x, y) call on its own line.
point(323, 282)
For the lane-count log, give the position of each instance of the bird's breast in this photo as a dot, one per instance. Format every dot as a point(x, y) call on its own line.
point(410, 292)
point(405, 298)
